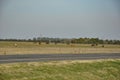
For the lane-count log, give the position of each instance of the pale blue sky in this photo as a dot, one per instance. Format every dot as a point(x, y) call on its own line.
point(60, 18)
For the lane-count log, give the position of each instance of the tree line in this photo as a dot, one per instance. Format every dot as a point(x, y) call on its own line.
point(48, 40)
point(95, 41)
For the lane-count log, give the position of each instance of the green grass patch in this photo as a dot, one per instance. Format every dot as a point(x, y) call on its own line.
point(11, 44)
point(62, 70)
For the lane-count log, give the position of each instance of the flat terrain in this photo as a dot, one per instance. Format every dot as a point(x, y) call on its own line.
point(8, 47)
point(62, 70)
point(56, 57)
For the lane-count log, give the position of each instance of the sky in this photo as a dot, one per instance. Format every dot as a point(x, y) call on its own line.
point(24, 19)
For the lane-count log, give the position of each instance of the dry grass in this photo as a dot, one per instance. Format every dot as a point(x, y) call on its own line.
point(32, 48)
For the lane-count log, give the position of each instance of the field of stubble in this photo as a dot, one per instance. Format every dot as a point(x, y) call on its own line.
point(8, 47)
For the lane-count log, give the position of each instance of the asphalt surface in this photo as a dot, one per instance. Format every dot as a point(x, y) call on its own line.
point(56, 57)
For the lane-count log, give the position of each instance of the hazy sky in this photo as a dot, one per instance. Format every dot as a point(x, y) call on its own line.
point(60, 18)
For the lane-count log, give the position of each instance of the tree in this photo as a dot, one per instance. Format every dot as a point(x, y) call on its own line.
point(34, 40)
point(47, 42)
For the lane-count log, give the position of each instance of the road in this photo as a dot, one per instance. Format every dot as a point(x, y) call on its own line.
point(55, 57)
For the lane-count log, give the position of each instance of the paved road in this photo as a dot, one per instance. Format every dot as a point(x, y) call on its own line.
point(55, 57)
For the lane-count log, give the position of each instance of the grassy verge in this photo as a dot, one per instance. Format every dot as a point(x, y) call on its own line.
point(62, 70)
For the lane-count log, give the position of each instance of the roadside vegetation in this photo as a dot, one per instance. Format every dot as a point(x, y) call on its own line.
point(62, 70)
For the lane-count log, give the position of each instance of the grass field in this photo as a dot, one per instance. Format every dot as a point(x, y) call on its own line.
point(62, 70)
point(32, 48)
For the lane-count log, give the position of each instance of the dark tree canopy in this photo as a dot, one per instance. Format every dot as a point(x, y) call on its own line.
point(93, 41)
